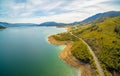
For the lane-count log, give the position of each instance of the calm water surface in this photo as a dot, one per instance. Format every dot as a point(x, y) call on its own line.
point(25, 51)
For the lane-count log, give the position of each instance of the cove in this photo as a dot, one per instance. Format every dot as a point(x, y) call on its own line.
point(25, 51)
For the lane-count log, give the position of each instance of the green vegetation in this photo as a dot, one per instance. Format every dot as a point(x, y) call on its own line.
point(80, 51)
point(65, 37)
point(103, 38)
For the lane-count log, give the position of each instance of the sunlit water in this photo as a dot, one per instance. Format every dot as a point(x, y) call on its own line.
point(25, 51)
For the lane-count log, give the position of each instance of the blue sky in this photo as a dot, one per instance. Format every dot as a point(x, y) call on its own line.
point(67, 11)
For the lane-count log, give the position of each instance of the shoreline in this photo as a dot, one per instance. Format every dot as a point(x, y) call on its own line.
point(66, 55)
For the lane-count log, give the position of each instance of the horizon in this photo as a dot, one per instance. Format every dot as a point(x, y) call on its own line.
point(30, 11)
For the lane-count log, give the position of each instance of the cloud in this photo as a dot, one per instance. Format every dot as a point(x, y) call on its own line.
point(67, 11)
point(65, 17)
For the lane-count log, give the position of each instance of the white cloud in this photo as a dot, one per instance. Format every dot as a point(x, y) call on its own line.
point(52, 6)
point(65, 17)
point(55, 10)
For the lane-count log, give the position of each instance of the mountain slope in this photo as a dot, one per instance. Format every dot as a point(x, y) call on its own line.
point(5, 24)
point(98, 18)
point(51, 24)
point(101, 16)
point(104, 38)
point(30, 24)
point(21, 24)
point(2, 25)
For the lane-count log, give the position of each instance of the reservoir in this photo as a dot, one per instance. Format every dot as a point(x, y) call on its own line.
point(25, 51)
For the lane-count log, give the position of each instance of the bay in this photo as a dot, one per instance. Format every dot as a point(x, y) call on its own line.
point(25, 51)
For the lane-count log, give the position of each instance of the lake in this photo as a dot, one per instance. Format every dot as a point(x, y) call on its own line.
point(25, 51)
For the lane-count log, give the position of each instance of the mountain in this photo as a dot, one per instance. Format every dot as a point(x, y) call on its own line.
point(92, 19)
point(2, 27)
point(99, 17)
point(104, 39)
point(51, 24)
point(5, 24)
point(30, 24)
point(21, 24)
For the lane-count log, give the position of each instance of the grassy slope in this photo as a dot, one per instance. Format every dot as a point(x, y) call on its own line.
point(104, 38)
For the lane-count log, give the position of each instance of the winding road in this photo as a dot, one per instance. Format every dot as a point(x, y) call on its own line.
point(99, 69)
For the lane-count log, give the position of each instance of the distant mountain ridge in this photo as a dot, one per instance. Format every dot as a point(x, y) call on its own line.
point(92, 19)
point(1, 27)
point(98, 17)
point(5, 24)
point(51, 24)
point(22, 24)
point(104, 15)
point(30, 24)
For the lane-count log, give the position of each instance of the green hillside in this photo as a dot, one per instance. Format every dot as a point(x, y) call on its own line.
point(103, 38)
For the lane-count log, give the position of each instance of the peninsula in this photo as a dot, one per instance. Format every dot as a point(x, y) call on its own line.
point(92, 48)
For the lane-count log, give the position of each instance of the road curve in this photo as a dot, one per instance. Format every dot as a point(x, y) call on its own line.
point(100, 70)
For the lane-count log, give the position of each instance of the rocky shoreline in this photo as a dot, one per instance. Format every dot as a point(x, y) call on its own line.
point(67, 56)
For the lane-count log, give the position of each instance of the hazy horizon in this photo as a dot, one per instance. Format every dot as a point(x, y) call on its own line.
point(63, 11)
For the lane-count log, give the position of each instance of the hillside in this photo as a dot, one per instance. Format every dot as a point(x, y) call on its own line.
point(99, 17)
point(102, 16)
point(5, 24)
point(2, 26)
point(103, 38)
point(51, 24)
point(31, 24)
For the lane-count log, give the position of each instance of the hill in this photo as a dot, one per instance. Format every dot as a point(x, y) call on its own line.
point(5, 24)
point(51, 24)
point(31, 24)
point(103, 37)
point(99, 17)
point(2, 25)
point(102, 16)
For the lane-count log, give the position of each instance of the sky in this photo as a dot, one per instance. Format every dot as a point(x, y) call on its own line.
point(63, 11)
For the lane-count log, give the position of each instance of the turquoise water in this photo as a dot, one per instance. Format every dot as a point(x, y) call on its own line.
point(25, 51)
